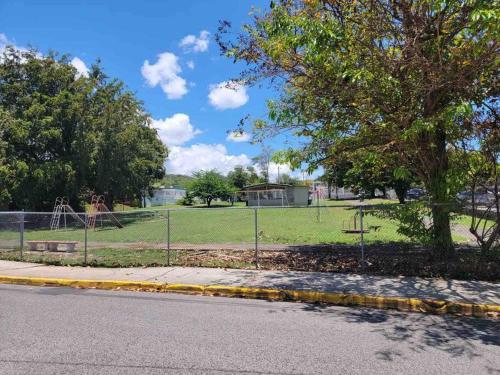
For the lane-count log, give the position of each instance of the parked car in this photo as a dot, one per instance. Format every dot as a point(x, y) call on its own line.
point(485, 198)
point(415, 193)
point(480, 197)
point(464, 196)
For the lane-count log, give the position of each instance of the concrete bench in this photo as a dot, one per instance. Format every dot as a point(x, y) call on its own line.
point(51, 245)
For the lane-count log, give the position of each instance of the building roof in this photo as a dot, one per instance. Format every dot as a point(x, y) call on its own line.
point(269, 186)
point(163, 188)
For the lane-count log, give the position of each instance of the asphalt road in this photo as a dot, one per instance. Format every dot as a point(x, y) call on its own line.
point(70, 331)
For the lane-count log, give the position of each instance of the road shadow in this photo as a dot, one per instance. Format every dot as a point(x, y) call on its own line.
point(350, 283)
point(456, 336)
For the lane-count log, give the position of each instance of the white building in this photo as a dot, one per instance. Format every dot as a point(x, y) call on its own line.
point(268, 194)
point(163, 196)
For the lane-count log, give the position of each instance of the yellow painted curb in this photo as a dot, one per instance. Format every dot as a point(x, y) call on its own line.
point(341, 299)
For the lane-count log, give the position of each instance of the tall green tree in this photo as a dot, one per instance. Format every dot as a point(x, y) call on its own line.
point(263, 160)
point(336, 169)
point(128, 156)
point(395, 74)
point(253, 177)
point(209, 185)
point(285, 178)
point(11, 171)
point(64, 134)
point(366, 174)
point(238, 177)
point(43, 100)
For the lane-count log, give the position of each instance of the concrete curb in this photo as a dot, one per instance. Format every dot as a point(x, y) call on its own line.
point(340, 299)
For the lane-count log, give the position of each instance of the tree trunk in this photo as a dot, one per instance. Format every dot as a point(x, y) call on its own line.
point(109, 200)
point(400, 193)
point(401, 198)
point(442, 242)
point(209, 201)
point(438, 187)
point(329, 187)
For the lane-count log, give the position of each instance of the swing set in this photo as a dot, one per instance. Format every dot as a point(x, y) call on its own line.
point(351, 226)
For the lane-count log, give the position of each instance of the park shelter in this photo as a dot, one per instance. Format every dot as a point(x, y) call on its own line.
point(272, 194)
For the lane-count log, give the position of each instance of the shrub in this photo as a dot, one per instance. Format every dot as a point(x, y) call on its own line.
point(187, 200)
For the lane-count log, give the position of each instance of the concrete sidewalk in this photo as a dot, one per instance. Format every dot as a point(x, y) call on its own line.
point(411, 287)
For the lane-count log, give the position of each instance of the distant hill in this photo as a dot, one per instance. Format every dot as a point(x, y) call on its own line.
point(175, 180)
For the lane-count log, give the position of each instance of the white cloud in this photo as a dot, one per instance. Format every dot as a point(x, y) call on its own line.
point(274, 170)
point(165, 73)
point(196, 44)
point(80, 66)
point(4, 42)
point(190, 64)
point(227, 95)
point(186, 160)
point(238, 137)
point(175, 130)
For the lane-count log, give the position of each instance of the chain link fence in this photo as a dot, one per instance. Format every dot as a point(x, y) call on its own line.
point(239, 236)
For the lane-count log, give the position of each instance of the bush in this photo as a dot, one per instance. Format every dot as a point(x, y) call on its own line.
point(413, 218)
point(187, 200)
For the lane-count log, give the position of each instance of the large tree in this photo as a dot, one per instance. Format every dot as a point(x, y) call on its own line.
point(128, 156)
point(335, 170)
point(263, 161)
point(209, 185)
point(238, 177)
point(64, 134)
point(394, 74)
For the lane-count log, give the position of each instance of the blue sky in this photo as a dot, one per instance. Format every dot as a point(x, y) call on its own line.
point(164, 51)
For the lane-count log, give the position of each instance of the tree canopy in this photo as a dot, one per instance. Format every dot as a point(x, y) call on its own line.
point(238, 177)
point(209, 185)
point(65, 134)
point(397, 76)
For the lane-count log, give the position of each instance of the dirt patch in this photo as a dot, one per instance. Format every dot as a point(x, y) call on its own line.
point(395, 259)
point(381, 260)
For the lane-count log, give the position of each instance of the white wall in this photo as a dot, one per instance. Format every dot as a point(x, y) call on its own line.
point(162, 197)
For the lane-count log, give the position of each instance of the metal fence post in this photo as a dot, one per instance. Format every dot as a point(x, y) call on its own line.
point(21, 234)
point(85, 243)
point(361, 231)
point(168, 237)
point(256, 238)
point(318, 213)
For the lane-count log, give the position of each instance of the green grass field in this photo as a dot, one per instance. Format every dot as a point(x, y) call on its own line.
point(226, 226)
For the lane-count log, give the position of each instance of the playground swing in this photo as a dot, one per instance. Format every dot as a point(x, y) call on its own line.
point(354, 228)
point(97, 210)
